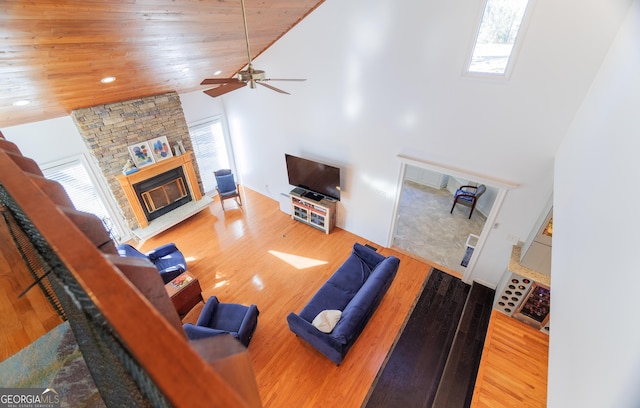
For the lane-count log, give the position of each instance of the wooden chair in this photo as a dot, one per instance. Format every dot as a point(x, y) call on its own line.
point(468, 196)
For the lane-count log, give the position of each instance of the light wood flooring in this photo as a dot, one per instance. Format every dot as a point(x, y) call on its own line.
point(25, 319)
point(257, 254)
point(513, 370)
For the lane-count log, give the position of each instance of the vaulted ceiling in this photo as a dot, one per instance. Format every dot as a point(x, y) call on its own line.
point(55, 52)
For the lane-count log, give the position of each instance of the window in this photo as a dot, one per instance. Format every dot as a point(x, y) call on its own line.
point(210, 150)
point(74, 176)
point(496, 38)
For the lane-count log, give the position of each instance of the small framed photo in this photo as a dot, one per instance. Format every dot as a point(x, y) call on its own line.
point(160, 148)
point(141, 154)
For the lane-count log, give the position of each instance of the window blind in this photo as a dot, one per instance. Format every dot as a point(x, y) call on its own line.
point(210, 150)
point(75, 180)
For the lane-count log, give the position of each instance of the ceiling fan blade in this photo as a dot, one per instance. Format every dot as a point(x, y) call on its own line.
point(249, 76)
point(273, 88)
point(223, 89)
point(215, 81)
point(281, 79)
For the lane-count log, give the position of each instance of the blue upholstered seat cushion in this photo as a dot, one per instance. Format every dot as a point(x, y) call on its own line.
point(351, 275)
point(363, 304)
point(226, 183)
point(341, 287)
point(227, 317)
point(217, 318)
point(464, 197)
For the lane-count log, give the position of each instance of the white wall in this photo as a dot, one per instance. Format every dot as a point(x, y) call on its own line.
point(384, 77)
point(595, 342)
point(198, 106)
point(47, 141)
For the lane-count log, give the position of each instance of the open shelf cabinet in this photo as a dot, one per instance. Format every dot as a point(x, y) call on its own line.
point(318, 214)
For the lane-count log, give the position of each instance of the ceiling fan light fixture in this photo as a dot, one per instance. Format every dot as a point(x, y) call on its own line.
point(108, 80)
point(21, 102)
point(218, 72)
point(185, 69)
point(250, 76)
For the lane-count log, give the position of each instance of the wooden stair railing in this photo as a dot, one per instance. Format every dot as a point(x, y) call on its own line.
point(211, 373)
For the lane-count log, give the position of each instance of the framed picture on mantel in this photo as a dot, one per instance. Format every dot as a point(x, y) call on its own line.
point(141, 154)
point(160, 148)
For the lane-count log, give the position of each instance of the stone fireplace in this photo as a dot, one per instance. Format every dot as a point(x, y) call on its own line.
point(109, 129)
point(155, 190)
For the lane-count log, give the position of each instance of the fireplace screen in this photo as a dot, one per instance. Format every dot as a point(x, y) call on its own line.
point(162, 193)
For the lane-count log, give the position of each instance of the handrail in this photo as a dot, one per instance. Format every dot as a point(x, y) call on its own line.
point(178, 371)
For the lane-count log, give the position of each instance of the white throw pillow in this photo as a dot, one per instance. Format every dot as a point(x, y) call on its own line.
point(326, 320)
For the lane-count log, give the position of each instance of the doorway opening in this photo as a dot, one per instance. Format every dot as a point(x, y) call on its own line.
point(424, 224)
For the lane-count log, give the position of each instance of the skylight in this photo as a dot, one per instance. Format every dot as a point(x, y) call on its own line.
point(497, 35)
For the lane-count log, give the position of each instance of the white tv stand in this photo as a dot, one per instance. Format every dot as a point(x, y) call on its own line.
point(319, 214)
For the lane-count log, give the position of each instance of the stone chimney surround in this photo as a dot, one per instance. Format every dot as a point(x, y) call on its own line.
point(109, 129)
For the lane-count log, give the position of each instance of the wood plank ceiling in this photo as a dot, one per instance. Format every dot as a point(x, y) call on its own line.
point(54, 52)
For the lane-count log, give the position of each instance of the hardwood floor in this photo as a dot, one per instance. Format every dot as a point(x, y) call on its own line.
point(411, 375)
point(459, 377)
point(257, 254)
point(25, 319)
point(502, 382)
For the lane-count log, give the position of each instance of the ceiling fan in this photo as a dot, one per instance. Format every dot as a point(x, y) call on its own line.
point(249, 76)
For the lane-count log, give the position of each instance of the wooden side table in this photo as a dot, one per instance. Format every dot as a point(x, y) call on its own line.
point(185, 292)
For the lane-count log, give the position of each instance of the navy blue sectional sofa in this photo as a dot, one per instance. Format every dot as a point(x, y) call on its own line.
point(356, 289)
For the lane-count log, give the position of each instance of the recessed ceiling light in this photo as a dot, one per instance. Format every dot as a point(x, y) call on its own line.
point(107, 80)
point(185, 69)
point(218, 72)
point(21, 102)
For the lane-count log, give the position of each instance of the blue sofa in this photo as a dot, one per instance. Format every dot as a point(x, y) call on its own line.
point(356, 289)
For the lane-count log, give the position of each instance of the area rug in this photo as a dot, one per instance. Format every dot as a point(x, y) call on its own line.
point(53, 361)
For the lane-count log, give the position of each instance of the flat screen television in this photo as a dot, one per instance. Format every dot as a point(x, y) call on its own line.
point(311, 175)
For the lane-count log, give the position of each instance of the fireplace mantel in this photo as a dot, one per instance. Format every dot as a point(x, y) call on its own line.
point(128, 181)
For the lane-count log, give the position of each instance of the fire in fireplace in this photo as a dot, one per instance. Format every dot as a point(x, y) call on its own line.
point(162, 193)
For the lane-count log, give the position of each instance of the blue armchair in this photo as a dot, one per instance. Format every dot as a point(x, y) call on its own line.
point(167, 258)
point(224, 318)
point(226, 186)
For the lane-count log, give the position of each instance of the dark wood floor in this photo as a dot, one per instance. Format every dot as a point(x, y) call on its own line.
point(459, 377)
point(412, 372)
point(436, 357)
